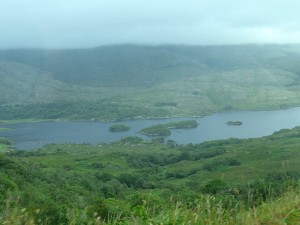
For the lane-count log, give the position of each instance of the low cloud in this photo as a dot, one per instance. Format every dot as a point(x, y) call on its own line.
point(87, 23)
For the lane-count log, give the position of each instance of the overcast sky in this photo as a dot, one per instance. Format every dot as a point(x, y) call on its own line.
point(88, 23)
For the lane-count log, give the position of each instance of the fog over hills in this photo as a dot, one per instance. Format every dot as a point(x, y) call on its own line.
point(174, 80)
point(130, 65)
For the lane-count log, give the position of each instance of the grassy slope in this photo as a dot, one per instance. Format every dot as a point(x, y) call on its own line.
point(21, 83)
point(76, 169)
point(238, 89)
point(233, 90)
point(277, 212)
point(258, 157)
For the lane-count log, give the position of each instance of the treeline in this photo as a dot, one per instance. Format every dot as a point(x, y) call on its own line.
point(100, 110)
point(164, 129)
point(4, 141)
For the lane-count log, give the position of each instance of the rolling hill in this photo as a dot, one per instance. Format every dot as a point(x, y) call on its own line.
point(130, 81)
point(132, 181)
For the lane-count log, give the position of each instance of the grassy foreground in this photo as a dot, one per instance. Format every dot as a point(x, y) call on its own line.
point(285, 210)
point(132, 181)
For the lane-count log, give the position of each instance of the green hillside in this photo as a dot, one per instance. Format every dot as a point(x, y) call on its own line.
point(128, 82)
point(124, 66)
point(133, 65)
point(140, 182)
point(235, 90)
point(21, 83)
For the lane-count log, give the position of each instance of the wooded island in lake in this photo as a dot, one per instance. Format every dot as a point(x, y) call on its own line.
point(234, 123)
point(164, 129)
point(119, 128)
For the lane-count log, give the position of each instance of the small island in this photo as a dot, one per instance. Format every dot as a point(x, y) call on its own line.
point(164, 129)
point(182, 124)
point(156, 130)
point(234, 123)
point(119, 128)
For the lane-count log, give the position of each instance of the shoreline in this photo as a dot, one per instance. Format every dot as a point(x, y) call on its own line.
point(36, 120)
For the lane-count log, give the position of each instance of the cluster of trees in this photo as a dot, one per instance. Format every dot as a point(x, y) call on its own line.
point(156, 130)
point(58, 181)
point(119, 128)
point(5, 141)
point(255, 192)
point(107, 194)
point(164, 129)
point(100, 110)
point(56, 191)
point(150, 160)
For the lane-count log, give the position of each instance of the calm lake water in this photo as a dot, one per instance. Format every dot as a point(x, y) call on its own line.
point(213, 127)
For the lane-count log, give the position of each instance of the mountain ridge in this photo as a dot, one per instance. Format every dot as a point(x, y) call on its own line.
point(151, 81)
point(133, 62)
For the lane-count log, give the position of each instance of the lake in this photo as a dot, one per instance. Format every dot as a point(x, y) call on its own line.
point(213, 127)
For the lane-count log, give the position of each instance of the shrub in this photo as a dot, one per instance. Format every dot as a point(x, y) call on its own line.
point(215, 186)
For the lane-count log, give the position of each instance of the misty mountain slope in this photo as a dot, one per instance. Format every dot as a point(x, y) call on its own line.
point(128, 82)
point(230, 57)
point(237, 89)
point(21, 83)
point(24, 84)
point(147, 66)
point(126, 66)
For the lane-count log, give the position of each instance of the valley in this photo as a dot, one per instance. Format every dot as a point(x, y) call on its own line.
point(135, 134)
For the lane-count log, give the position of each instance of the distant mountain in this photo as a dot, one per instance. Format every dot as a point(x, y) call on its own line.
point(125, 66)
point(135, 66)
point(21, 84)
point(130, 81)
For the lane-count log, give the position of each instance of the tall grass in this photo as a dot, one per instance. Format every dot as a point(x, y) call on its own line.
point(206, 210)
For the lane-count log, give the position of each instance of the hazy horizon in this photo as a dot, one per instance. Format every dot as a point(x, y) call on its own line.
point(146, 45)
point(92, 23)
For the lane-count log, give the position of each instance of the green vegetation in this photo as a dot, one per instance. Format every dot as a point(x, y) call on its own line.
point(100, 110)
point(156, 130)
point(234, 123)
point(29, 120)
point(4, 141)
point(285, 210)
point(164, 129)
point(182, 124)
point(130, 82)
point(4, 129)
point(5, 144)
point(133, 181)
point(119, 128)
